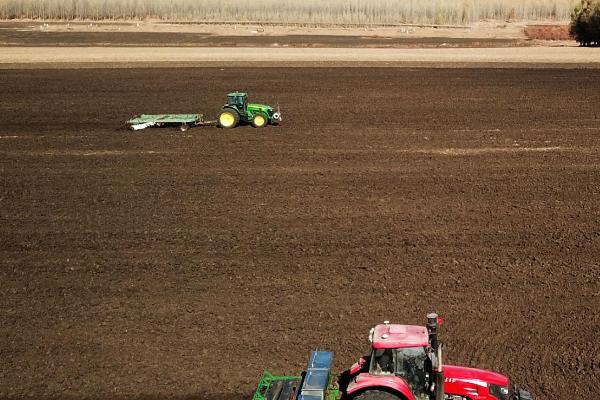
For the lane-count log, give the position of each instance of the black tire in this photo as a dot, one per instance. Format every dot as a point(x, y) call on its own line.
point(259, 120)
point(376, 395)
point(228, 118)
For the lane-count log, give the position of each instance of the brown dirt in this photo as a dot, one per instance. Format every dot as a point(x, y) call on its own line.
point(162, 264)
point(193, 40)
point(139, 57)
point(548, 32)
point(125, 35)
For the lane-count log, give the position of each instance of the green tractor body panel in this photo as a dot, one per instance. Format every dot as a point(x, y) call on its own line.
point(254, 108)
point(239, 102)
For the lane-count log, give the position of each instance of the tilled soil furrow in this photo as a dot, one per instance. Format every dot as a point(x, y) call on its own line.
point(180, 265)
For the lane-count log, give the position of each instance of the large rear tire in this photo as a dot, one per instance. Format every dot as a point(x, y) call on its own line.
point(228, 118)
point(376, 395)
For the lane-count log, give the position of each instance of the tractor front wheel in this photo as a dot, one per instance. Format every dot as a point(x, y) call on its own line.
point(229, 118)
point(259, 121)
point(376, 395)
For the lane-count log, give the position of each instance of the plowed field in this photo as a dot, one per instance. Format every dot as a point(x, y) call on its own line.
point(161, 264)
point(37, 33)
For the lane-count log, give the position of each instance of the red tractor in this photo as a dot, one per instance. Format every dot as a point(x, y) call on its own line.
point(405, 364)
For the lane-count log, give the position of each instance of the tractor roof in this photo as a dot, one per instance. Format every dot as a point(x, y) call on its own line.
point(237, 94)
point(392, 336)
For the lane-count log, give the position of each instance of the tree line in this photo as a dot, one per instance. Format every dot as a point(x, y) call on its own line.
point(292, 11)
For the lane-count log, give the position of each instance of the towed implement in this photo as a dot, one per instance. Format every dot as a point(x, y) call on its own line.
point(237, 111)
point(183, 121)
point(405, 363)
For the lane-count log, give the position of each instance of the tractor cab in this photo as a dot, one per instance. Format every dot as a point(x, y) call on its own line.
point(237, 100)
point(411, 363)
point(402, 351)
point(404, 360)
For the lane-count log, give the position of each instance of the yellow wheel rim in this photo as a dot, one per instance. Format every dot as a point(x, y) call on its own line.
point(226, 119)
point(259, 120)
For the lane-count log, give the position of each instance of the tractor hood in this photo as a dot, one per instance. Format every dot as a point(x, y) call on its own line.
point(260, 107)
point(471, 378)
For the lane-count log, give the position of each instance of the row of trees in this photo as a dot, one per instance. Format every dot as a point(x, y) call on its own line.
point(306, 11)
point(585, 23)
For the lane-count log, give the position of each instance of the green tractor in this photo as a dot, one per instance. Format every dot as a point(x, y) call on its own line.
point(239, 110)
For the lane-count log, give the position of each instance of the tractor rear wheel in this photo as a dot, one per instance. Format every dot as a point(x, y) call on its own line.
point(228, 118)
point(376, 395)
point(259, 121)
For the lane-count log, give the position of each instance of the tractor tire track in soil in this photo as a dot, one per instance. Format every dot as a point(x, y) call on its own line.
point(161, 264)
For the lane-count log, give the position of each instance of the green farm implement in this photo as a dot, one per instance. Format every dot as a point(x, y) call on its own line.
point(237, 111)
point(183, 121)
point(316, 383)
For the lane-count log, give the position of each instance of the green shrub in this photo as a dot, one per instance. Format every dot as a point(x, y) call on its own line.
point(585, 23)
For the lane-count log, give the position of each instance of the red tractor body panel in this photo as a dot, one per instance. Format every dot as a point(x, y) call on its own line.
point(474, 374)
point(393, 336)
point(471, 382)
point(390, 383)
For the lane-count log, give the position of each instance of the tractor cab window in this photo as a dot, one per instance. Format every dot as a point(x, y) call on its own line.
point(382, 362)
point(412, 364)
point(237, 100)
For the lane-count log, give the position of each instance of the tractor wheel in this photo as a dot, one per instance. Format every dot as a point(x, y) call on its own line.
point(229, 118)
point(259, 121)
point(376, 395)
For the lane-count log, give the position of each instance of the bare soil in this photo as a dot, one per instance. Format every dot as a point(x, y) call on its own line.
point(171, 39)
point(162, 264)
point(137, 57)
point(39, 33)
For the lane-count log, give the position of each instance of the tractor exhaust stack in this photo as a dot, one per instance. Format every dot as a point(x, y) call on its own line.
point(432, 328)
point(439, 376)
point(436, 346)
